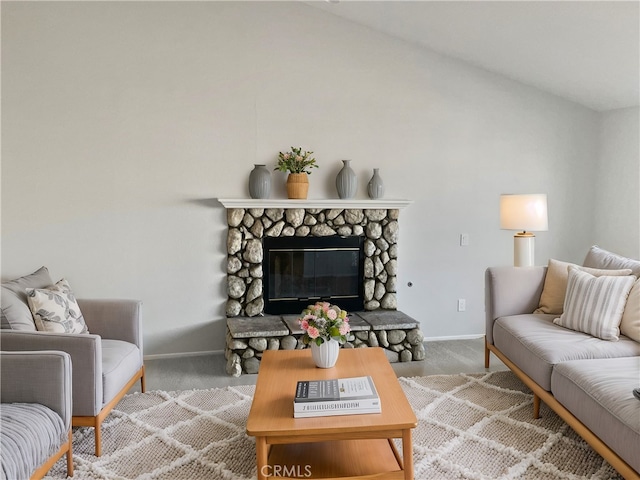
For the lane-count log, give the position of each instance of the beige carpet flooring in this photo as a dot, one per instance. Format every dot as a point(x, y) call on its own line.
point(476, 426)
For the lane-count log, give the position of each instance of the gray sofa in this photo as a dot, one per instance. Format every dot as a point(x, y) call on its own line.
point(35, 416)
point(587, 381)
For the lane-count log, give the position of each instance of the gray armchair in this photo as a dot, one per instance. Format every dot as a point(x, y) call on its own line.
point(107, 362)
point(35, 415)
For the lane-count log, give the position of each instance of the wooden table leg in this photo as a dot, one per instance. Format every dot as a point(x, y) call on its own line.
point(262, 458)
point(407, 454)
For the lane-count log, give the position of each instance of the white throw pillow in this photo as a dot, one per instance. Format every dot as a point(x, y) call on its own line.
point(555, 284)
point(630, 324)
point(594, 305)
point(55, 309)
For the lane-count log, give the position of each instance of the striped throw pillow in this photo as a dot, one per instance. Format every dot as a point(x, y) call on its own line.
point(594, 305)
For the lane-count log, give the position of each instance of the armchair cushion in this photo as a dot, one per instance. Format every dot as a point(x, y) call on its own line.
point(15, 310)
point(30, 434)
point(55, 309)
point(120, 360)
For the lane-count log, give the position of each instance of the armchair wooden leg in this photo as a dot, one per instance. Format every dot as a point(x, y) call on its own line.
point(98, 433)
point(70, 455)
point(96, 421)
point(143, 383)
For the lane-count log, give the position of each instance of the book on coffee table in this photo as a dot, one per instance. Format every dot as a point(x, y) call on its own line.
point(338, 396)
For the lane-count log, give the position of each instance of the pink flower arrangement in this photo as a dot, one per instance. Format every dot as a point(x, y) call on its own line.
point(322, 322)
point(296, 161)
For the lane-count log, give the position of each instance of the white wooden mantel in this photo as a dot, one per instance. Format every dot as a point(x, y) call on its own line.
point(364, 204)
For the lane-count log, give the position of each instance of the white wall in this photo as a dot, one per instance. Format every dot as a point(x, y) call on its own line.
point(122, 122)
point(617, 187)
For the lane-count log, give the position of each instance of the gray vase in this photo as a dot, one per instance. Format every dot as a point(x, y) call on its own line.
point(260, 182)
point(375, 187)
point(346, 181)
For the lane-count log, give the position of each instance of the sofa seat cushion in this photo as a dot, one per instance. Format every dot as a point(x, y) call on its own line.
point(30, 434)
point(599, 393)
point(120, 361)
point(535, 345)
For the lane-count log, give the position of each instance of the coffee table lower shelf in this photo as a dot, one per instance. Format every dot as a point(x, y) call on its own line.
point(343, 459)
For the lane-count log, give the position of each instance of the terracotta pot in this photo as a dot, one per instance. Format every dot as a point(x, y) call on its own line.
point(297, 185)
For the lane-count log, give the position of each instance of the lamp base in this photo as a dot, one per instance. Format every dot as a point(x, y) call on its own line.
point(524, 249)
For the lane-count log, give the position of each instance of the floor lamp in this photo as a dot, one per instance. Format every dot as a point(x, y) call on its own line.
point(525, 213)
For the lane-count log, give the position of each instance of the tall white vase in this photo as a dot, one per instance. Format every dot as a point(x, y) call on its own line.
point(326, 354)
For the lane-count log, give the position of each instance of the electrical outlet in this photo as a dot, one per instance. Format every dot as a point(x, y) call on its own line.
point(462, 304)
point(464, 239)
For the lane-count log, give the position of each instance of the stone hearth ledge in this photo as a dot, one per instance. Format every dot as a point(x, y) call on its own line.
point(248, 337)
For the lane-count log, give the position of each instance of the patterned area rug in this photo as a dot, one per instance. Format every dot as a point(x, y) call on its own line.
point(470, 427)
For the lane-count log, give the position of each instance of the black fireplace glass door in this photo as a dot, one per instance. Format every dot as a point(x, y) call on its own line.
point(313, 274)
point(302, 273)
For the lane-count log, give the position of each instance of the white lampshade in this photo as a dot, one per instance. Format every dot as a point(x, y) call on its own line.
point(525, 213)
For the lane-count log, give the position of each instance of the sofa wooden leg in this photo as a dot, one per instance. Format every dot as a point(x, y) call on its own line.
point(536, 406)
point(487, 353)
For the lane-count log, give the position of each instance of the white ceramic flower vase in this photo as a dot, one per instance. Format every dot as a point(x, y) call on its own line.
point(326, 354)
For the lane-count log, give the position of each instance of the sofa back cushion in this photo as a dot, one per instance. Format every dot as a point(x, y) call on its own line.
point(600, 258)
point(16, 314)
point(630, 324)
point(555, 284)
point(594, 305)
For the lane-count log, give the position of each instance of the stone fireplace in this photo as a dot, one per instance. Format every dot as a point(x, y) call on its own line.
point(252, 223)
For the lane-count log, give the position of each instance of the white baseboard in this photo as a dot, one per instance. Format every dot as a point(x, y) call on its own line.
point(182, 354)
point(455, 337)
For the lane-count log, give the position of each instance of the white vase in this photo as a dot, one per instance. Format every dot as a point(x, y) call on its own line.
point(326, 354)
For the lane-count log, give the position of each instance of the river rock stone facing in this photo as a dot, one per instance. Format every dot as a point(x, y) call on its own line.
point(247, 228)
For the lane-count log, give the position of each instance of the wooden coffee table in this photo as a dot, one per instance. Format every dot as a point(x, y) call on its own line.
point(350, 446)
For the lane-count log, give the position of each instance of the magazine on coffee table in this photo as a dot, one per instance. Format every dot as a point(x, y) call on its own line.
point(338, 396)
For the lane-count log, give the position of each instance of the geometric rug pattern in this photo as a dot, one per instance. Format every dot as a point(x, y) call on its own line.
point(470, 426)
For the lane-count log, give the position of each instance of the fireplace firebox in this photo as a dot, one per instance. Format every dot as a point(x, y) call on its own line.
point(299, 271)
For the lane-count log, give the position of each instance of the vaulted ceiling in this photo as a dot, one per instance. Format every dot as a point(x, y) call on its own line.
point(585, 51)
